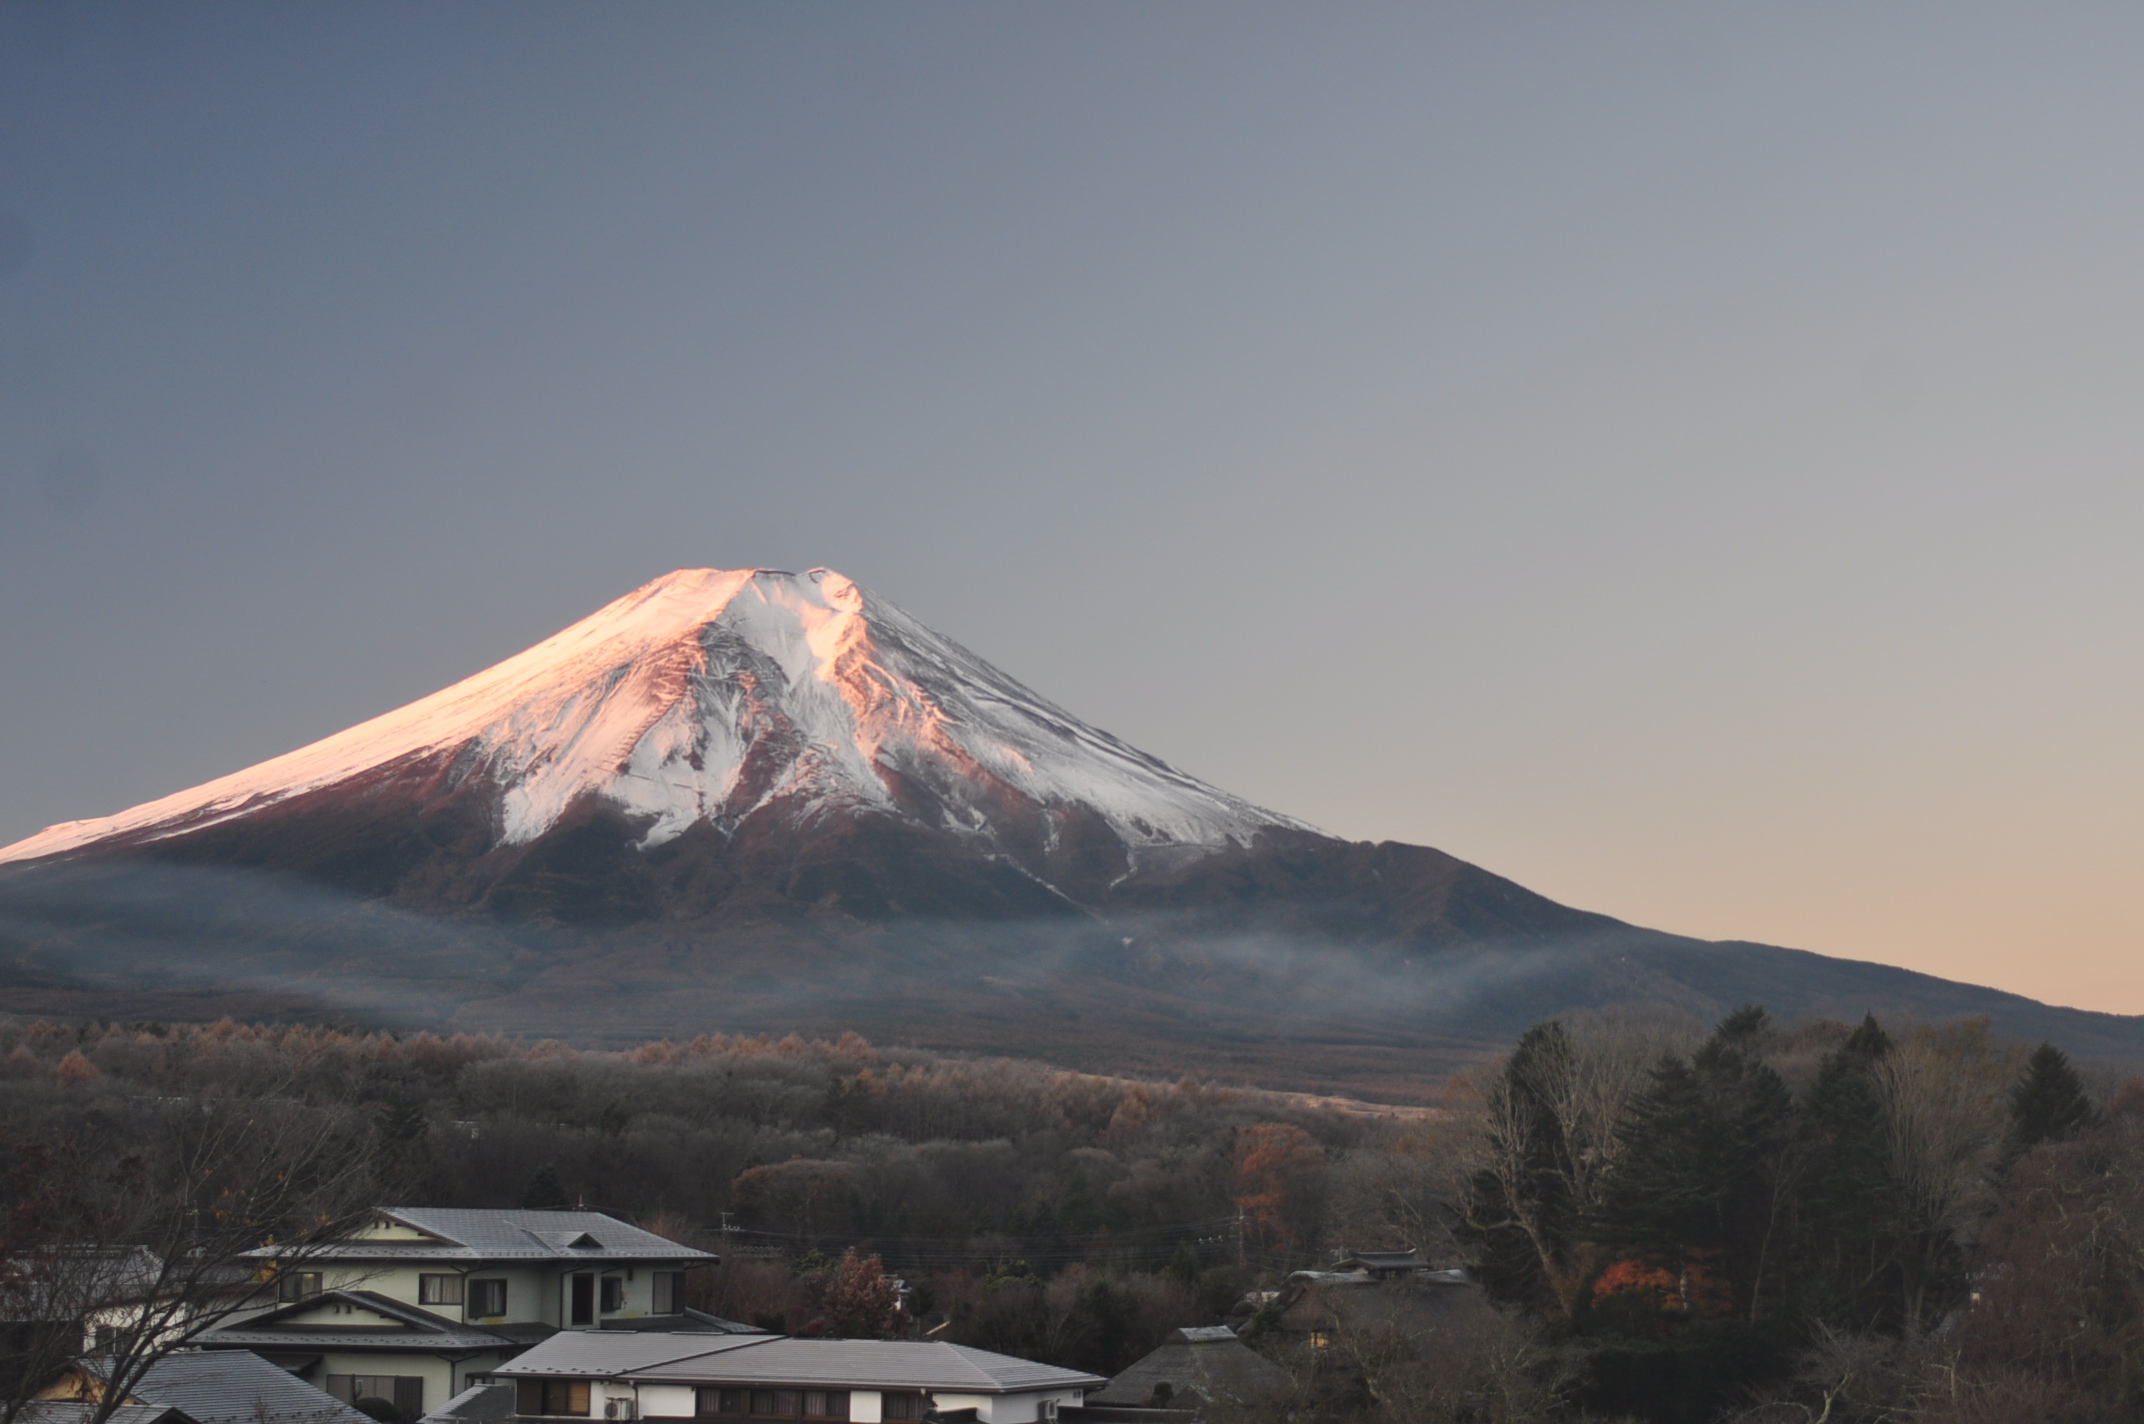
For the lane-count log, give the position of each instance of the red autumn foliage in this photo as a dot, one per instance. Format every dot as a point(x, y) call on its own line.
point(1694, 1289)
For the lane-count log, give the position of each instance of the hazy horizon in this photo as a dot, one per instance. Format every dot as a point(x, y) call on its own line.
point(1683, 460)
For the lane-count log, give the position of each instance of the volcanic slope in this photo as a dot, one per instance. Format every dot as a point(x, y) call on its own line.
point(751, 799)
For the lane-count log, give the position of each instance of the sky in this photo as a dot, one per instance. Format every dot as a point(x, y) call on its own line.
point(1686, 458)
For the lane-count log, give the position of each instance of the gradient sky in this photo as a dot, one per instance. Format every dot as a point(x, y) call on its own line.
point(1689, 459)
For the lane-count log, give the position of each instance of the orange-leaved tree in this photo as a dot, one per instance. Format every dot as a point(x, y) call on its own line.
point(1280, 1181)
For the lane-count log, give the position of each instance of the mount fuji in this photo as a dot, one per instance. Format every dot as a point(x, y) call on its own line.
point(752, 799)
point(719, 698)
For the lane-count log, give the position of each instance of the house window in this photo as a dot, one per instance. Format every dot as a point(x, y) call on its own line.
point(1319, 1339)
point(298, 1285)
point(902, 1406)
point(551, 1396)
point(487, 1298)
point(440, 1290)
point(613, 1294)
point(813, 1404)
point(404, 1392)
point(581, 1295)
point(668, 1289)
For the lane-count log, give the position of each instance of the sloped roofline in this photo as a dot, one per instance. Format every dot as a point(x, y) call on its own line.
point(268, 1328)
point(505, 1235)
point(777, 1359)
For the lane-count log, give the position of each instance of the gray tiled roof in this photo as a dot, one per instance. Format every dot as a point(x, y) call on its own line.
point(1209, 1362)
point(478, 1404)
point(69, 1411)
point(238, 1387)
point(412, 1329)
point(747, 1359)
point(605, 1354)
point(876, 1364)
point(83, 1276)
point(470, 1234)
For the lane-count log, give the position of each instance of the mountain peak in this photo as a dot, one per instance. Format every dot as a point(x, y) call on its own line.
point(717, 695)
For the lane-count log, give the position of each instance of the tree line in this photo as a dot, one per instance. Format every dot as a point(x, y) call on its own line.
point(1782, 1222)
point(1759, 1221)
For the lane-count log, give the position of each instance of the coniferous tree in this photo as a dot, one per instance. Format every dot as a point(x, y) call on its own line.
point(1848, 1206)
point(545, 1191)
point(2048, 1104)
point(1704, 1173)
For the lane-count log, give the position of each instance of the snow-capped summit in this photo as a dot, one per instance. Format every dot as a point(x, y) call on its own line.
point(714, 695)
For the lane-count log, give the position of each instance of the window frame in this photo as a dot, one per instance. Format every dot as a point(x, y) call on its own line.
point(437, 1288)
point(764, 1402)
point(478, 1292)
point(402, 1391)
point(294, 1286)
point(546, 1395)
point(610, 1295)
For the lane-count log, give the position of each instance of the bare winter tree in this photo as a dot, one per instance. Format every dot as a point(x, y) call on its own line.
point(1943, 1126)
point(1612, 1053)
point(131, 1233)
point(1392, 1194)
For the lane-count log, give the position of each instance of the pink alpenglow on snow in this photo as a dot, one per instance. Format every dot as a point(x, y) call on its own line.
point(674, 701)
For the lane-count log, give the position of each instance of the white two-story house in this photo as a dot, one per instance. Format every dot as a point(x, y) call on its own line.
point(412, 1307)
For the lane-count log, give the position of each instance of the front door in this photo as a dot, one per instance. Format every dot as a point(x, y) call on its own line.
point(583, 1310)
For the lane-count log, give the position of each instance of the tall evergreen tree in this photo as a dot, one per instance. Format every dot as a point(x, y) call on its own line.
point(1703, 1175)
point(1848, 1199)
point(2049, 1103)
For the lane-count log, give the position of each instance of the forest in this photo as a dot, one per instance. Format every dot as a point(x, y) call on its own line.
point(1755, 1222)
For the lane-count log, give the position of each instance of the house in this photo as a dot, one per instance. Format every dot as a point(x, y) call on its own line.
point(1383, 1265)
point(81, 1296)
point(745, 1378)
point(1316, 1307)
point(422, 1302)
point(211, 1387)
point(1195, 1367)
point(570, 1270)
